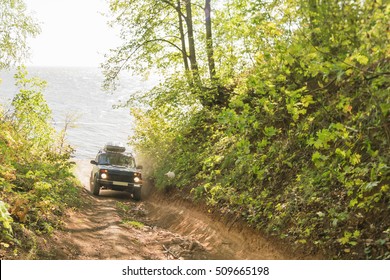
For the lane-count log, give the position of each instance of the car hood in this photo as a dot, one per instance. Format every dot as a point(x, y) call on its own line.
point(116, 168)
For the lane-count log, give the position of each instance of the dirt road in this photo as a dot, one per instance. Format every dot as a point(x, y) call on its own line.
point(113, 226)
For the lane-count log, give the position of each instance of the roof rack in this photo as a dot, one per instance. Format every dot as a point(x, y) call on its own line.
point(114, 147)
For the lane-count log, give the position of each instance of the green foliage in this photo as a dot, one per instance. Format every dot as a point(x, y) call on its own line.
point(36, 182)
point(301, 150)
point(152, 42)
point(32, 113)
point(6, 220)
point(175, 36)
point(36, 179)
point(16, 25)
point(134, 224)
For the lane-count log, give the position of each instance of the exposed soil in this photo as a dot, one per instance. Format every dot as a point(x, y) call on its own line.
point(113, 226)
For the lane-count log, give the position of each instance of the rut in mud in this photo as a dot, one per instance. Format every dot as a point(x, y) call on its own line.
point(113, 226)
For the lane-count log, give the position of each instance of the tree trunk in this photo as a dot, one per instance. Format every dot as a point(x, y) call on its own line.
point(209, 40)
point(313, 17)
point(182, 37)
point(191, 43)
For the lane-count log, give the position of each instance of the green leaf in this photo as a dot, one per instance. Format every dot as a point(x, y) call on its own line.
point(363, 60)
point(353, 202)
point(270, 131)
point(371, 185)
point(5, 217)
point(355, 159)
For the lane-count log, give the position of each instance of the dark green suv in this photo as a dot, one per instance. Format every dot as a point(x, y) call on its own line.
point(114, 169)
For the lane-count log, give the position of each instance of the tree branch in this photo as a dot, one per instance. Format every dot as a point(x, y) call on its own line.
point(165, 41)
point(175, 7)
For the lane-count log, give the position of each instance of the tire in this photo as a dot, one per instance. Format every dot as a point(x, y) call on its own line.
point(96, 187)
point(91, 183)
point(137, 194)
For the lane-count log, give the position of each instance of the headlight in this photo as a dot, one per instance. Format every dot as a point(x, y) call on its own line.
point(137, 180)
point(103, 176)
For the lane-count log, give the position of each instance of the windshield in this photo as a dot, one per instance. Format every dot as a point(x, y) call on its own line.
point(116, 159)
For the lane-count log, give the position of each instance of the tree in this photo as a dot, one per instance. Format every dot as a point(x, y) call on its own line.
point(153, 36)
point(209, 40)
point(182, 36)
point(156, 33)
point(15, 27)
point(191, 41)
point(31, 113)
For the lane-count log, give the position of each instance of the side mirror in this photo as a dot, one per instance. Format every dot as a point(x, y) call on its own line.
point(139, 167)
point(93, 162)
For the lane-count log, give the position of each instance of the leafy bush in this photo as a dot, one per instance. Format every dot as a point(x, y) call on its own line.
point(36, 179)
point(6, 220)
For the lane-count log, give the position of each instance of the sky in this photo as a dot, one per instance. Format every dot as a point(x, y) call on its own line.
point(73, 33)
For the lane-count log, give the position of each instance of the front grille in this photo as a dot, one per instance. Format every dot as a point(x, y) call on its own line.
point(120, 178)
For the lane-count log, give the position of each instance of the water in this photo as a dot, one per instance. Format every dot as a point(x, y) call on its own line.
point(77, 92)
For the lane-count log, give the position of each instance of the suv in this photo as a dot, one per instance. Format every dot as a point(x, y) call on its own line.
point(115, 170)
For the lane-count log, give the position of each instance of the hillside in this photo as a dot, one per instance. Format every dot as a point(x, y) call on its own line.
point(295, 141)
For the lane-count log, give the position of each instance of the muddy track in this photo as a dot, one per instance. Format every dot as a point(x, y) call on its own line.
point(113, 226)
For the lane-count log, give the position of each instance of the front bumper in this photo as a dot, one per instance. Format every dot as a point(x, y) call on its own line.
point(120, 186)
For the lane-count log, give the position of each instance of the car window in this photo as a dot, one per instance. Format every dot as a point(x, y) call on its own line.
point(116, 159)
point(103, 159)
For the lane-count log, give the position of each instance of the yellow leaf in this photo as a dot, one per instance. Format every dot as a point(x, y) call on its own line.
point(349, 72)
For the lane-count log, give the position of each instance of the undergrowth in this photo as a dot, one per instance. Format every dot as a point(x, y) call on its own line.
point(36, 179)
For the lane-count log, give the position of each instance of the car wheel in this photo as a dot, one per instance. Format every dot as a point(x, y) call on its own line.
point(91, 183)
point(96, 187)
point(137, 194)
